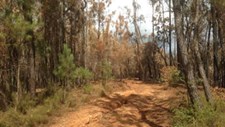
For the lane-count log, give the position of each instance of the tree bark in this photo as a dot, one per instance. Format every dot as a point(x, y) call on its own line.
point(170, 34)
point(197, 21)
point(186, 59)
point(215, 46)
point(138, 41)
point(19, 86)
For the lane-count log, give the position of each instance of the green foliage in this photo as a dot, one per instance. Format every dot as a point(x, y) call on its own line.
point(12, 118)
point(183, 117)
point(172, 75)
point(67, 70)
point(106, 72)
point(66, 67)
point(208, 116)
point(176, 78)
point(56, 98)
point(51, 101)
point(82, 75)
point(34, 115)
point(87, 89)
point(19, 27)
point(24, 104)
point(2, 36)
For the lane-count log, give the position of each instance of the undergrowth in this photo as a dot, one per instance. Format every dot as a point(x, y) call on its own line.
point(37, 112)
point(88, 88)
point(207, 116)
point(30, 115)
point(172, 76)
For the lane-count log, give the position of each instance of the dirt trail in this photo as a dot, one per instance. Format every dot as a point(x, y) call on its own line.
point(141, 105)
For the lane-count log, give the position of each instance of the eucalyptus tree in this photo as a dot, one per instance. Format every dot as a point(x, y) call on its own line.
point(138, 39)
point(185, 53)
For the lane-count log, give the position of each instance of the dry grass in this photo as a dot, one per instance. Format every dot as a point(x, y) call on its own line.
point(53, 106)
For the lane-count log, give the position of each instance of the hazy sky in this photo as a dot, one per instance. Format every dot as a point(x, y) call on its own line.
point(146, 10)
point(118, 6)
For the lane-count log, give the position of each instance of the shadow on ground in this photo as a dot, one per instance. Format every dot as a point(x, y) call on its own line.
point(136, 110)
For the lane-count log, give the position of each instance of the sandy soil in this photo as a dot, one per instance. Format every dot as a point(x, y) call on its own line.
point(140, 105)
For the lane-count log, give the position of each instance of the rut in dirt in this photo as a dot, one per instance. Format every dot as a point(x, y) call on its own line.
point(140, 105)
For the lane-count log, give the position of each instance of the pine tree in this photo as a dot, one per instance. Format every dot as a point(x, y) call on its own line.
point(66, 68)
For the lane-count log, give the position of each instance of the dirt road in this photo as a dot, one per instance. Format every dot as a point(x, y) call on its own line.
point(141, 105)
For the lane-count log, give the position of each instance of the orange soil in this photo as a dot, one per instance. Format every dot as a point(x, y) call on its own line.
point(140, 105)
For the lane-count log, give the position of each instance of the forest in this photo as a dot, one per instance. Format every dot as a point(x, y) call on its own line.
point(57, 57)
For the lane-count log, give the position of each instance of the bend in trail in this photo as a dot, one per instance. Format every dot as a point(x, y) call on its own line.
point(141, 105)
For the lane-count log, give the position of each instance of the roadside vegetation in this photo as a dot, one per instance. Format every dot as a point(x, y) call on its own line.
point(54, 52)
point(207, 116)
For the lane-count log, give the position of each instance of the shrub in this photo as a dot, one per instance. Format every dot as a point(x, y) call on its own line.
point(66, 67)
point(106, 72)
point(24, 104)
point(87, 89)
point(82, 76)
point(12, 118)
point(207, 116)
point(34, 115)
point(183, 117)
point(172, 75)
point(67, 70)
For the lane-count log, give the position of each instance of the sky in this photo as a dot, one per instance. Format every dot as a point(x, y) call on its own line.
point(146, 10)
